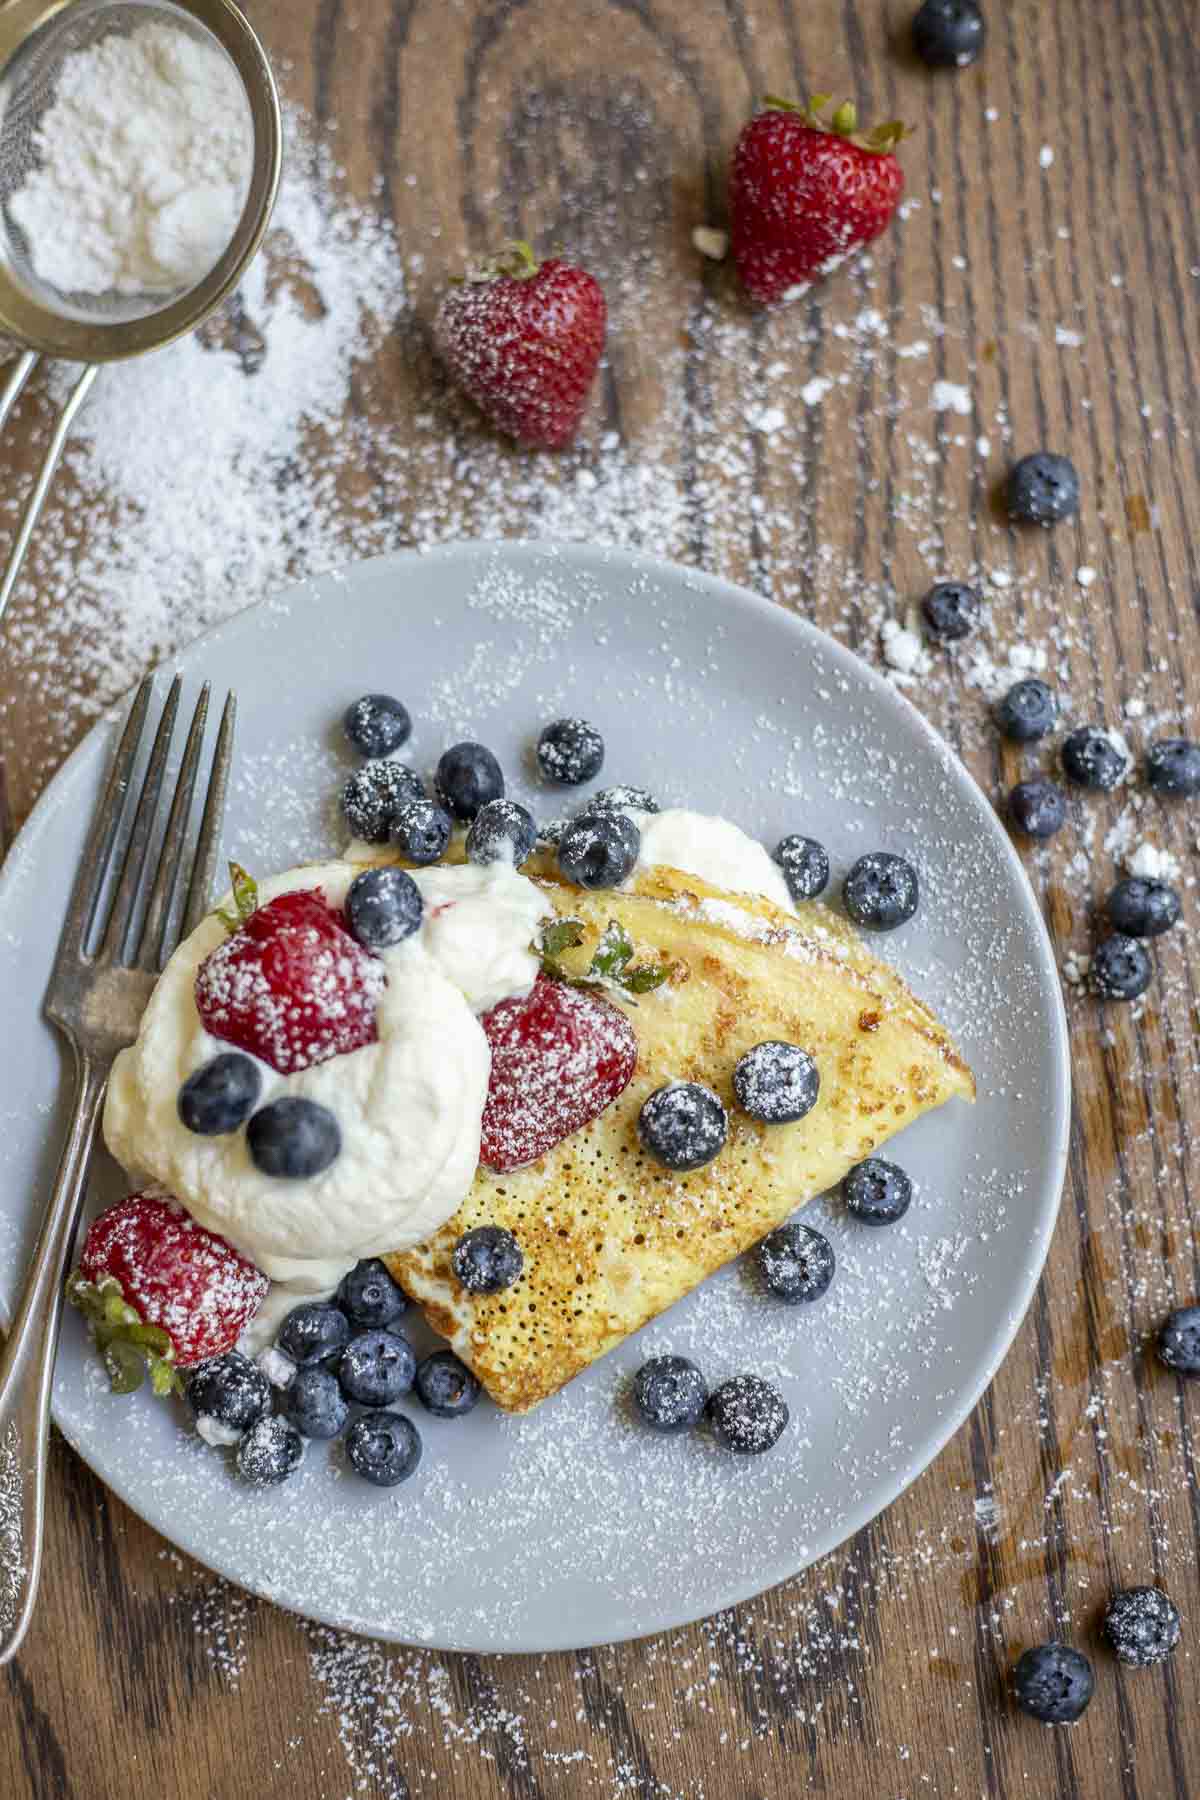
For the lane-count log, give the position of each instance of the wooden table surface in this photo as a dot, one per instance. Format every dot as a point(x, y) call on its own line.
point(1051, 264)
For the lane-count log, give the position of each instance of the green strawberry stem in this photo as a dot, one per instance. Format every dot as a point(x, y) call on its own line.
point(128, 1347)
point(245, 898)
point(881, 140)
point(515, 261)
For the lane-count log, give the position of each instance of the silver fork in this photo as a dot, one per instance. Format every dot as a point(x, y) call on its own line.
point(96, 998)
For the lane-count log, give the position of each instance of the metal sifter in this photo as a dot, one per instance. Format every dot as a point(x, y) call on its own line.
point(35, 38)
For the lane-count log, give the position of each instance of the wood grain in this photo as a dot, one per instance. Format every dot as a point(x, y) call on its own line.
point(604, 125)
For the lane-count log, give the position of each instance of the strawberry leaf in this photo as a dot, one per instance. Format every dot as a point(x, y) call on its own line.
point(613, 951)
point(643, 977)
point(128, 1347)
point(245, 898)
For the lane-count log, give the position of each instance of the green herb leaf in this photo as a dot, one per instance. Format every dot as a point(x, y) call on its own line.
point(643, 977)
point(126, 1368)
point(564, 934)
point(612, 952)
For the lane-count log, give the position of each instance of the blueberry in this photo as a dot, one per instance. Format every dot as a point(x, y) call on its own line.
point(487, 1260)
point(502, 831)
point(623, 798)
point(951, 610)
point(1028, 711)
point(1143, 908)
point(1121, 968)
point(383, 907)
point(1053, 1683)
point(796, 1263)
point(315, 1404)
point(881, 891)
point(374, 795)
point(877, 1192)
point(445, 1386)
point(377, 1367)
point(421, 830)
point(230, 1390)
point(550, 831)
point(1038, 807)
point(468, 776)
point(1173, 767)
point(221, 1095)
point(805, 865)
point(314, 1332)
point(683, 1125)
point(1042, 489)
point(383, 1447)
point(1142, 1625)
point(376, 724)
point(270, 1451)
point(1179, 1340)
point(599, 849)
point(670, 1394)
point(369, 1297)
point(293, 1138)
point(748, 1414)
point(948, 34)
point(570, 751)
point(776, 1082)
point(1091, 760)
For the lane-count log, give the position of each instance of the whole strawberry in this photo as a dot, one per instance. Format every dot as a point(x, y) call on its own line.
point(160, 1291)
point(804, 194)
point(523, 339)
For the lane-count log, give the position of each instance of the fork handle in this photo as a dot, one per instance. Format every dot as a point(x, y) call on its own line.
point(27, 1367)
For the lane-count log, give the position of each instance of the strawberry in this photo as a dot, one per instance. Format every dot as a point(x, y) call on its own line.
point(290, 985)
point(523, 339)
point(559, 1057)
point(804, 194)
point(161, 1291)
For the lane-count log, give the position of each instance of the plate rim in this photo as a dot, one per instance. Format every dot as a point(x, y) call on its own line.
point(757, 606)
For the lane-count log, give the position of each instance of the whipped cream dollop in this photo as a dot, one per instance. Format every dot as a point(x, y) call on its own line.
point(715, 849)
point(409, 1106)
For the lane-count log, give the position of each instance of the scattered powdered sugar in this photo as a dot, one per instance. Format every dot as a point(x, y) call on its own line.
point(950, 396)
point(903, 651)
point(1153, 863)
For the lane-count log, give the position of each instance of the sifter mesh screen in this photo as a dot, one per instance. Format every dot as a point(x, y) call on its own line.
point(27, 89)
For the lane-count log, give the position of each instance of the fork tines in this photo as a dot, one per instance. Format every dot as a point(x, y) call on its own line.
point(111, 915)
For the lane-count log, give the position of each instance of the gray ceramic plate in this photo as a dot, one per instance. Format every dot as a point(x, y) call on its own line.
point(573, 1527)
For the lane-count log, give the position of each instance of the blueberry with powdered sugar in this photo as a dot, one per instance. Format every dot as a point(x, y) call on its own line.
point(599, 849)
point(1043, 488)
point(314, 1332)
point(376, 1367)
point(623, 798)
point(467, 777)
point(315, 1404)
point(776, 1083)
point(227, 1395)
point(383, 1447)
point(951, 610)
point(487, 1259)
point(805, 865)
point(369, 1297)
point(670, 1394)
point(748, 1414)
point(374, 795)
point(1141, 907)
point(1142, 1624)
point(420, 830)
point(270, 1451)
point(377, 724)
point(1028, 711)
point(877, 1192)
point(570, 752)
point(1038, 807)
point(1173, 767)
point(683, 1125)
point(796, 1263)
point(1053, 1683)
point(1178, 1341)
point(881, 891)
point(503, 831)
point(383, 907)
point(1091, 760)
point(445, 1386)
point(1120, 968)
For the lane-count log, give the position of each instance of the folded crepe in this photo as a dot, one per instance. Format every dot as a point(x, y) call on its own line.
point(610, 1237)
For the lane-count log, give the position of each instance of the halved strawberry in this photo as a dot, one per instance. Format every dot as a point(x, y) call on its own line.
point(291, 985)
point(559, 1057)
point(161, 1291)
